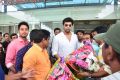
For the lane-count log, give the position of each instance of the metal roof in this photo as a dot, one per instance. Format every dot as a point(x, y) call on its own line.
point(37, 4)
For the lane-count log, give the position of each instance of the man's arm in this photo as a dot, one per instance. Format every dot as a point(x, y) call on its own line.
point(103, 71)
point(16, 76)
point(10, 57)
point(99, 74)
point(55, 47)
point(12, 69)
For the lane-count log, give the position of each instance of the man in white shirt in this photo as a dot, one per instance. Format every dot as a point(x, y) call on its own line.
point(80, 34)
point(65, 42)
point(53, 58)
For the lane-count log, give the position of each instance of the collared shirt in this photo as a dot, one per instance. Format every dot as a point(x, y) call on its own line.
point(80, 44)
point(12, 50)
point(20, 55)
point(37, 59)
point(114, 76)
point(62, 46)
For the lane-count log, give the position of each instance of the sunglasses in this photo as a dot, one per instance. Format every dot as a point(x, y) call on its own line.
point(68, 25)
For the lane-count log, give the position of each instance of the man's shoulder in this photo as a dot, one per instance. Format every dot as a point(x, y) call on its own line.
point(3, 42)
point(14, 42)
point(26, 46)
point(24, 49)
point(32, 50)
point(74, 34)
point(60, 34)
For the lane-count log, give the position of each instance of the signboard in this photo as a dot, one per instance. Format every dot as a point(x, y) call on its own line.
point(14, 2)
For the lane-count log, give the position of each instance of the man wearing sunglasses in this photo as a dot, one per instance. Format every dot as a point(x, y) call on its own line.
point(65, 42)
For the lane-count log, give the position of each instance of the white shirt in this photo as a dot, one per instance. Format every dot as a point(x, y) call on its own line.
point(80, 44)
point(114, 76)
point(62, 46)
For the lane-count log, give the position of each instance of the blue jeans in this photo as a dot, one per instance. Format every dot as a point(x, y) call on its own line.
point(2, 75)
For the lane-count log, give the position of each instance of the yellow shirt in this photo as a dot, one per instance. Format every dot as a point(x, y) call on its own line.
point(37, 59)
point(100, 57)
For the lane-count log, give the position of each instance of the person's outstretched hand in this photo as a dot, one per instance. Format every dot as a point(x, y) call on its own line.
point(28, 74)
point(19, 75)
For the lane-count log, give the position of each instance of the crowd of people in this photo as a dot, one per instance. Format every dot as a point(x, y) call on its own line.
point(21, 59)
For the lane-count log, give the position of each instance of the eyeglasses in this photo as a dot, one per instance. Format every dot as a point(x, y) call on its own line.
point(68, 25)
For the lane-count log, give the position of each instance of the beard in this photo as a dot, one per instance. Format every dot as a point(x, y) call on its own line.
point(23, 36)
point(67, 31)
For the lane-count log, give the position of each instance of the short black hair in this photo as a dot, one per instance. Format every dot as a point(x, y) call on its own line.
point(13, 34)
point(0, 33)
point(5, 34)
point(93, 30)
point(40, 35)
point(101, 29)
point(88, 34)
point(80, 31)
point(32, 34)
point(57, 29)
point(23, 23)
point(68, 19)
